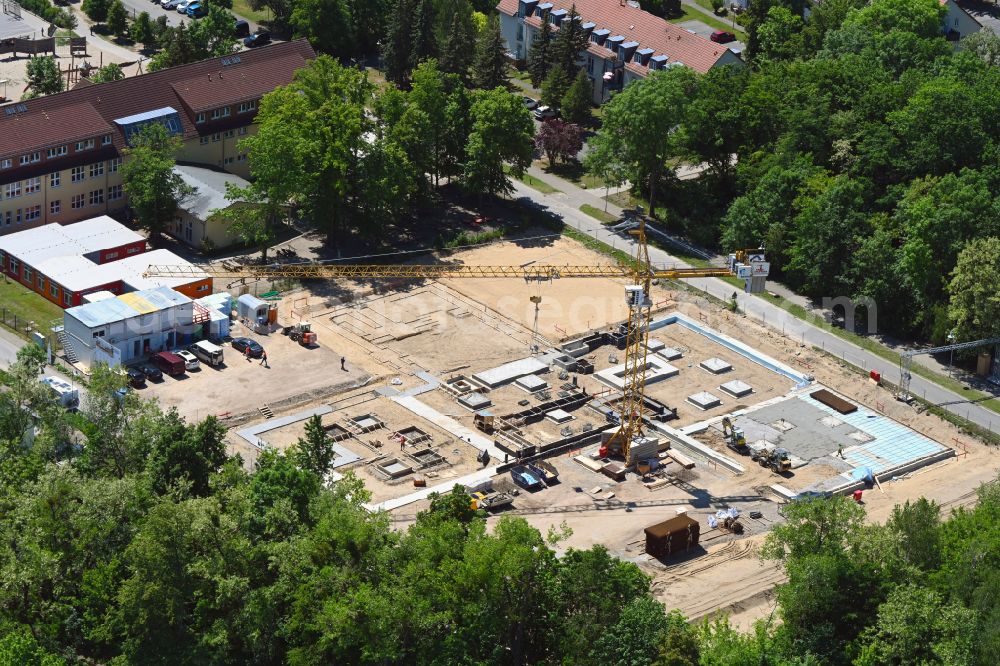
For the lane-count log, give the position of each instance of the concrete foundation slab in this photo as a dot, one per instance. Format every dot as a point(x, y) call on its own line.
point(559, 416)
point(475, 401)
point(736, 388)
point(704, 400)
point(670, 353)
point(508, 372)
point(716, 365)
point(531, 383)
point(654, 346)
point(657, 369)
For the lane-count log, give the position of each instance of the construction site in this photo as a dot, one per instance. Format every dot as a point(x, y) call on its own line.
point(661, 425)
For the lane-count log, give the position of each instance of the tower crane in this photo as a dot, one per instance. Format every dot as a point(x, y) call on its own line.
point(750, 265)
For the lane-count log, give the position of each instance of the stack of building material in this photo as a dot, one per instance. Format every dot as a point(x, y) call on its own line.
point(672, 536)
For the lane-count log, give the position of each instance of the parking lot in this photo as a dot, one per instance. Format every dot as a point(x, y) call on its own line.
point(240, 385)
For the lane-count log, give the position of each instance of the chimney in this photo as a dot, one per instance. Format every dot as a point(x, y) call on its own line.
point(220, 74)
point(210, 76)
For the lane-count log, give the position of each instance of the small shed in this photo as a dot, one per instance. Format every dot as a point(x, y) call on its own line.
point(672, 536)
point(250, 307)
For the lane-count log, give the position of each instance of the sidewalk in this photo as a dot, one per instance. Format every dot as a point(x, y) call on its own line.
point(729, 18)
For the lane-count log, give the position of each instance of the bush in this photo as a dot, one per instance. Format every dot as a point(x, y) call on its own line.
point(43, 8)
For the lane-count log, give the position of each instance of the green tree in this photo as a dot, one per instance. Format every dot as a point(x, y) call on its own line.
point(780, 35)
point(638, 124)
point(634, 639)
point(501, 134)
point(212, 34)
point(314, 450)
point(117, 19)
point(398, 47)
point(153, 187)
point(576, 104)
point(20, 647)
point(185, 456)
point(921, 17)
point(539, 58)
point(423, 42)
point(110, 72)
point(428, 94)
point(309, 142)
point(180, 47)
point(453, 60)
point(253, 220)
point(369, 19)
point(326, 24)
point(974, 290)
point(554, 87)
point(679, 642)
point(96, 10)
point(44, 77)
point(569, 43)
point(489, 65)
point(142, 31)
point(918, 526)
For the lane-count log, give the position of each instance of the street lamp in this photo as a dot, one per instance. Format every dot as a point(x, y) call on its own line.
point(951, 354)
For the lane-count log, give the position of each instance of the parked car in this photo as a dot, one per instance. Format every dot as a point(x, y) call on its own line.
point(170, 4)
point(530, 103)
point(169, 362)
point(182, 7)
point(722, 37)
point(196, 10)
point(525, 478)
point(151, 372)
point(191, 361)
point(241, 345)
point(544, 113)
point(136, 378)
point(259, 38)
point(241, 29)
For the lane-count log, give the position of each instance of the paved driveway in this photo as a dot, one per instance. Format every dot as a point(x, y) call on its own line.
point(705, 30)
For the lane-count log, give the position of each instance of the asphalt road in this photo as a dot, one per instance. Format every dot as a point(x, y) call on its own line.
point(566, 205)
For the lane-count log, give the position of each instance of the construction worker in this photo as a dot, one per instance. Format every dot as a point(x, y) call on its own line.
point(246, 352)
point(342, 361)
point(263, 359)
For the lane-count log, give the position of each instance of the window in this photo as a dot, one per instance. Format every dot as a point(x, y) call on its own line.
point(203, 140)
point(67, 298)
point(55, 179)
point(41, 281)
point(216, 114)
point(229, 134)
point(58, 151)
point(96, 169)
point(106, 140)
point(17, 216)
point(248, 106)
point(54, 289)
point(242, 131)
point(132, 250)
point(31, 158)
point(216, 137)
point(110, 256)
point(96, 197)
point(590, 64)
point(76, 175)
point(13, 190)
point(55, 207)
point(225, 112)
point(27, 274)
point(8, 216)
point(33, 185)
point(114, 165)
point(114, 192)
point(200, 118)
point(84, 145)
point(228, 160)
point(77, 201)
point(5, 163)
point(14, 266)
point(32, 213)
point(242, 157)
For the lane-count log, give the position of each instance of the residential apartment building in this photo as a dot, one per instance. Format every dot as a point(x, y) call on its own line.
point(625, 44)
point(61, 155)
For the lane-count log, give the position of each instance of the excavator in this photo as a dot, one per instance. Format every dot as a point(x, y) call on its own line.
point(735, 439)
point(749, 265)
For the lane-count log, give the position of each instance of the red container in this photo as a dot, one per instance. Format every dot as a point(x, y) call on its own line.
point(857, 496)
point(876, 375)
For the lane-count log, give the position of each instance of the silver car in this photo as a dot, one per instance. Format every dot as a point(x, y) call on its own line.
point(170, 4)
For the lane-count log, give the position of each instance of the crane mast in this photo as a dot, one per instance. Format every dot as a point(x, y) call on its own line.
point(750, 265)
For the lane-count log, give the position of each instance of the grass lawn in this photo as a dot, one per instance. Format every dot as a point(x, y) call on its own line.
point(598, 214)
point(536, 183)
point(717, 23)
point(16, 299)
point(242, 8)
point(574, 172)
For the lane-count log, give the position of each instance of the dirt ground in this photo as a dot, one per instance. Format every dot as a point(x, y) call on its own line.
point(239, 386)
point(15, 69)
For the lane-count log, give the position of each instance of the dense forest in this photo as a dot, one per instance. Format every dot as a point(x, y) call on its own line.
point(128, 537)
point(865, 152)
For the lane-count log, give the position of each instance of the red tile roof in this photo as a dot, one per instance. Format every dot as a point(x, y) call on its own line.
point(89, 110)
point(635, 25)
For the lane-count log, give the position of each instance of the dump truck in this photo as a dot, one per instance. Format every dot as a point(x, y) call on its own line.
point(546, 470)
point(767, 455)
point(489, 501)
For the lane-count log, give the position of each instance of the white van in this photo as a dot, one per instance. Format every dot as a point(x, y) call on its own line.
point(207, 352)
